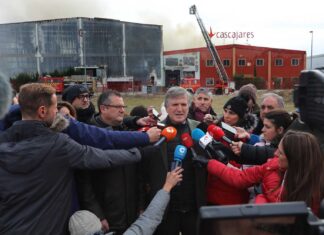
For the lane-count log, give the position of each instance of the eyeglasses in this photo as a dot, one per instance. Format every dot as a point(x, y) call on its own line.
point(115, 106)
point(82, 97)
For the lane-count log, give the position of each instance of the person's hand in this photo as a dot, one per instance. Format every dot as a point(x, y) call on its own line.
point(208, 119)
point(146, 121)
point(236, 147)
point(241, 133)
point(172, 179)
point(154, 134)
point(104, 225)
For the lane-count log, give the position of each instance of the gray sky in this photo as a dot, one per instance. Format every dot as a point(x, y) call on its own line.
point(277, 23)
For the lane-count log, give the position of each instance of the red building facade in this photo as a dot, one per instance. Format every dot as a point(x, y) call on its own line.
point(279, 68)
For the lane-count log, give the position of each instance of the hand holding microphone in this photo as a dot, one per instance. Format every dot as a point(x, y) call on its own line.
point(168, 133)
point(153, 134)
point(180, 153)
point(173, 178)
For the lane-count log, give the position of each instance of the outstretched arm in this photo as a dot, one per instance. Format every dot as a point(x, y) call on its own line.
point(152, 216)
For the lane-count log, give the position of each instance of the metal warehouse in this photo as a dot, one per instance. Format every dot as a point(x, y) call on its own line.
point(125, 49)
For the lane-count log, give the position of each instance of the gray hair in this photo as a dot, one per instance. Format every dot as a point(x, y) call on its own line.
point(205, 91)
point(174, 92)
point(279, 99)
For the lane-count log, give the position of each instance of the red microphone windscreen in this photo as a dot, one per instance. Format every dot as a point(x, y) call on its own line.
point(216, 132)
point(187, 140)
point(169, 133)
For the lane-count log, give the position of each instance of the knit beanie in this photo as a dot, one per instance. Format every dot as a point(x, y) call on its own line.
point(238, 105)
point(248, 91)
point(83, 223)
point(70, 93)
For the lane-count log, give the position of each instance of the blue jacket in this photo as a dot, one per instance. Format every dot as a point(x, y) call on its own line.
point(90, 135)
point(105, 139)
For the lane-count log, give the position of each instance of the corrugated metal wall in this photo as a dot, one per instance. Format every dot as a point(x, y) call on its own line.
point(128, 49)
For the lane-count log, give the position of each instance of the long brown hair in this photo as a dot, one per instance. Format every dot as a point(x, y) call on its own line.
point(304, 177)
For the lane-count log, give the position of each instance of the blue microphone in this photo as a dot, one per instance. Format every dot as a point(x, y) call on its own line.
point(179, 154)
point(197, 134)
point(206, 142)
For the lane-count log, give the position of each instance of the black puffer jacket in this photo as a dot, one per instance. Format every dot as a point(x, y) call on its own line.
point(36, 173)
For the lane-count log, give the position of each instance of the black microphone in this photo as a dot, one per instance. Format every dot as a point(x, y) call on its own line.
point(207, 142)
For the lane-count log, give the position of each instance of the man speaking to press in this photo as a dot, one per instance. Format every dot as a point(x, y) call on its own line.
point(187, 197)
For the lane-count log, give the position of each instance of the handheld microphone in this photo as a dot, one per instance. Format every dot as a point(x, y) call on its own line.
point(179, 154)
point(206, 142)
point(203, 140)
point(168, 133)
point(188, 142)
point(218, 133)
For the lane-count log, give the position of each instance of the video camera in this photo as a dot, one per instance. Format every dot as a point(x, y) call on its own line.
point(309, 98)
point(287, 218)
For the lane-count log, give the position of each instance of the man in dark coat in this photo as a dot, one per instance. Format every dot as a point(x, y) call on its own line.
point(112, 194)
point(186, 198)
point(201, 108)
point(36, 167)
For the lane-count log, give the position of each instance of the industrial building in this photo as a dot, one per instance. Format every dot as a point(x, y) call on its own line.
point(315, 61)
point(127, 51)
point(275, 66)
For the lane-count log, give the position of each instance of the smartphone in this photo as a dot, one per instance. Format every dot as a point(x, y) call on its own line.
point(229, 131)
point(155, 114)
point(160, 125)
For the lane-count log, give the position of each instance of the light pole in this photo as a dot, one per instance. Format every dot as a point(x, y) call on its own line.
point(311, 58)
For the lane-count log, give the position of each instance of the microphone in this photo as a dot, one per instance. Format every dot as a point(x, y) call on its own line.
point(188, 142)
point(218, 133)
point(168, 133)
point(5, 95)
point(179, 154)
point(203, 140)
point(206, 142)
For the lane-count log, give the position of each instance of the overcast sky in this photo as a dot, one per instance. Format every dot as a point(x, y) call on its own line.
point(277, 23)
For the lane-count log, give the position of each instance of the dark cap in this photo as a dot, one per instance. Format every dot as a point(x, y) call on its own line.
point(70, 93)
point(238, 105)
point(248, 91)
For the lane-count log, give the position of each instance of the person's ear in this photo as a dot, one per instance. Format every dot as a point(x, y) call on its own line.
point(41, 112)
point(280, 130)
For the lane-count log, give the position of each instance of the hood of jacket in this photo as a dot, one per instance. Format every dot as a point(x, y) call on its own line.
point(25, 145)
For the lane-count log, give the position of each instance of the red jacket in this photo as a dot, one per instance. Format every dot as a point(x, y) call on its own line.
point(267, 174)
